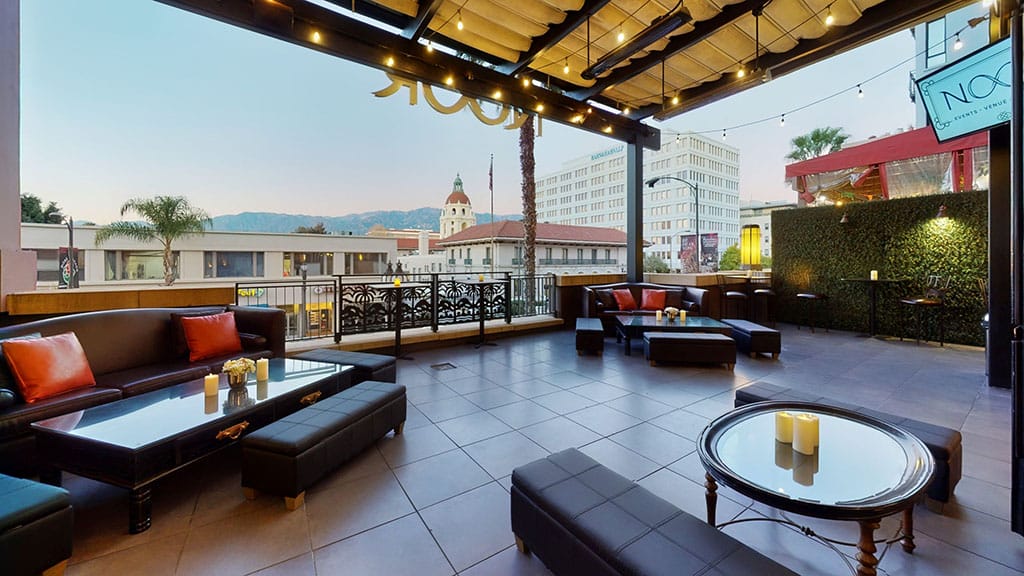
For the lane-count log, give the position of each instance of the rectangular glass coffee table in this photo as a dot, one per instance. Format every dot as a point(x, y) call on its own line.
point(137, 440)
point(628, 326)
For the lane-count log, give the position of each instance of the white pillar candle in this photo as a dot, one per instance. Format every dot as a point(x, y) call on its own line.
point(262, 370)
point(682, 316)
point(211, 382)
point(874, 274)
point(784, 427)
point(805, 433)
point(657, 316)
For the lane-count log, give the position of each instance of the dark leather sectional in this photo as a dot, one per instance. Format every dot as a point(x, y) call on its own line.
point(130, 352)
point(598, 301)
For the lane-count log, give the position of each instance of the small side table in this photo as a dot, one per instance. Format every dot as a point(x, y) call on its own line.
point(396, 309)
point(873, 298)
point(481, 287)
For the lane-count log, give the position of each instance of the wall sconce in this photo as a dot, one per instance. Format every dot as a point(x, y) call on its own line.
point(844, 219)
point(750, 247)
point(941, 213)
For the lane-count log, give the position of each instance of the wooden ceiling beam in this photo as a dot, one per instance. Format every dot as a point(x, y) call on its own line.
point(415, 29)
point(554, 35)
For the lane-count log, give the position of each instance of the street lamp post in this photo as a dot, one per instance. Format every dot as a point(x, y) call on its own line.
point(696, 206)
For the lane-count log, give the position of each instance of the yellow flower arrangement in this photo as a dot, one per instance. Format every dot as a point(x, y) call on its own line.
point(239, 366)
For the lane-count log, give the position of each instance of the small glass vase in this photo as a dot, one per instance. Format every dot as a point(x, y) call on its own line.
point(237, 380)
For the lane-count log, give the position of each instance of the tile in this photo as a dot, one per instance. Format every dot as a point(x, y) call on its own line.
point(565, 379)
point(473, 428)
point(472, 526)
point(559, 433)
point(509, 562)
point(654, 443)
point(787, 547)
point(429, 393)
point(682, 422)
point(499, 455)
point(377, 552)
point(988, 469)
point(563, 402)
point(640, 406)
point(982, 496)
point(603, 420)
point(620, 459)
point(299, 566)
point(245, 543)
point(493, 398)
point(414, 445)
point(354, 507)
point(448, 408)
point(531, 388)
point(369, 463)
point(154, 558)
point(522, 413)
point(471, 384)
point(439, 477)
point(599, 391)
point(689, 496)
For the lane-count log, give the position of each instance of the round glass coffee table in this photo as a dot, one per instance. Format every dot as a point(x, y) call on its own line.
point(863, 469)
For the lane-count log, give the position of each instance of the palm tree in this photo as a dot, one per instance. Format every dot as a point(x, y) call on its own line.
point(167, 219)
point(527, 165)
point(820, 141)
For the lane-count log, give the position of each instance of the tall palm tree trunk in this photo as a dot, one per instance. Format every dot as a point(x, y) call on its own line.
point(168, 264)
point(526, 162)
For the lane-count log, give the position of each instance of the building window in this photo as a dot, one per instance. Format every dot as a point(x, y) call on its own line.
point(365, 263)
point(935, 37)
point(48, 265)
point(233, 265)
point(317, 263)
point(136, 264)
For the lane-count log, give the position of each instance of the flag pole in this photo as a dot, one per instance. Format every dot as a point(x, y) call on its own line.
point(494, 256)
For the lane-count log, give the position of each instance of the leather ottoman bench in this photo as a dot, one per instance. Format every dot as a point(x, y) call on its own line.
point(589, 336)
point(367, 366)
point(290, 455)
point(35, 528)
point(581, 518)
point(944, 443)
point(755, 339)
point(698, 347)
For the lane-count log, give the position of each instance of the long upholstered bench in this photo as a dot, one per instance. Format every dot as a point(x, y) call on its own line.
point(581, 518)
point(944, 443)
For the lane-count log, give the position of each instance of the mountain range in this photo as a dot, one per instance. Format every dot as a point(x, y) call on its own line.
point(358, 224)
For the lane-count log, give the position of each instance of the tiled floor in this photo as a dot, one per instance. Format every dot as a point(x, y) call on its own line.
point(435, 500)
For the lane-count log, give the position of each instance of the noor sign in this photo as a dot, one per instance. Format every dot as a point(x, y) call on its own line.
point(971, 94)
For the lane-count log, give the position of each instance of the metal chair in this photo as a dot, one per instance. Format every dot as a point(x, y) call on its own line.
point(933, 298)
point(763, 301)
point(813, 300)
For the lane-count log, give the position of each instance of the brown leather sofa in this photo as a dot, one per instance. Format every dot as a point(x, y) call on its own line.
point(598, 301)
point(130, 352)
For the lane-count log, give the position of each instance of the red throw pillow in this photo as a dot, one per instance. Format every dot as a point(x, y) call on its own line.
point(45, 367)
point(624, 298)
point(211, 336)
point(652, 300)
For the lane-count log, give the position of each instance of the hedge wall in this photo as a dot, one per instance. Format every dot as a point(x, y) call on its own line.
point(812, 250)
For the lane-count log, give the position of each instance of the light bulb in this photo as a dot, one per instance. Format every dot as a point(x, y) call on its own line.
point(860, 91)
point(723, 133)
point(449, 80)
point(540, 107)
point(607, 129)
point(829, 18)
point(621, 36)
point(497, 94)
point(430, 46)
point(782, 120)
point(625, 110)
point(741, 72)
point(459, 24)
point(675, 100)
point(565, 69)
point(316, 37)
point(390, 61)
point(526, 82)
point(958, 44)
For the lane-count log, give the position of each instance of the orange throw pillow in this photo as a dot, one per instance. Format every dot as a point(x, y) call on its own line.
point(45, 367)
point(652, 300)
point(211, 336)
point(624, 298)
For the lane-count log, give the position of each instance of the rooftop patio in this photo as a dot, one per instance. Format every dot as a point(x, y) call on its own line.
point(435, 500)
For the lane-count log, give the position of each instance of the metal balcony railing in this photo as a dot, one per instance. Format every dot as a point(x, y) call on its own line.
point(362, 304)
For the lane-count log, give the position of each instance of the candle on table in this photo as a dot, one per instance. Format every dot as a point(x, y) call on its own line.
point(211, 382)
point(262, 369)
point(682, 316)
point(805, 433)
point(657, 316)
point(784, 427)
point(874, 274)
point(398, 281)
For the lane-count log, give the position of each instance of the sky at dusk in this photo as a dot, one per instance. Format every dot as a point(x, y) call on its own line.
point(125, 98)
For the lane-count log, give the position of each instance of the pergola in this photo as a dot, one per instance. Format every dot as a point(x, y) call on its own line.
point(604, 66)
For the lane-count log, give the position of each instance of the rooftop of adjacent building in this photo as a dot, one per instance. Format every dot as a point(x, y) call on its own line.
point(513, 230)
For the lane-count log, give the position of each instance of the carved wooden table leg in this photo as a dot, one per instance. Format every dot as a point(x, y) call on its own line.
point(711, 497)
point(866, 545)
point(908, 530)
point(140, 510)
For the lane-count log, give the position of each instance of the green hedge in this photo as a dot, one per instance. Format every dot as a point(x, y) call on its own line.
point(812, 250)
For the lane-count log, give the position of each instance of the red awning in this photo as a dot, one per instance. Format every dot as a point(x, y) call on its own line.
point(912, 144)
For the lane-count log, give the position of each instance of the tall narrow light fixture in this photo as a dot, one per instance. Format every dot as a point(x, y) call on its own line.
point(750, 247)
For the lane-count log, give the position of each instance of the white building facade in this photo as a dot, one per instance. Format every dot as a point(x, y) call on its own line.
point(760, 213)
point(591, 191)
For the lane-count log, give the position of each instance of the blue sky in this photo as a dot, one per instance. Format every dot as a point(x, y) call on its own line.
point(130, 98)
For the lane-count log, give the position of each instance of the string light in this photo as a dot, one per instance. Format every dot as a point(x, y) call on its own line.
point(622, 35)
point(449, 80)
point(316, 36)
point(497, 94)
point(565, 69)
point(741, 72)
point(390, 61)
point(675, 100)
point(958, 44)
point(540, 108)
point(625, 110)
point(430, 46)
point(458, 23)
point(782, 121)
point(607, 130)
point(526, 82)
point(829, 18)
point(723, 133)
point(860, 91)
